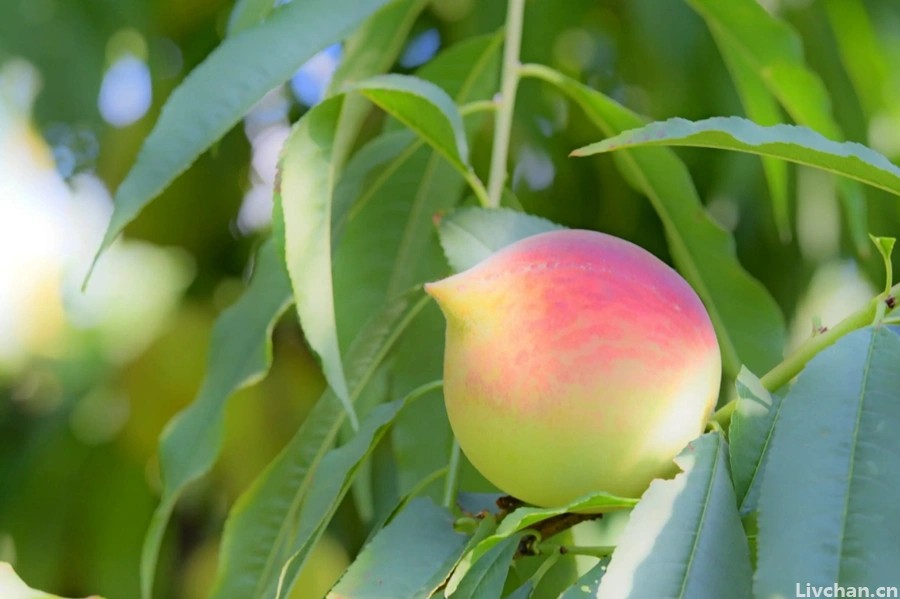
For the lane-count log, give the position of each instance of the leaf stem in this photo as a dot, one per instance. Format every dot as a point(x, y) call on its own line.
point(507, 103)
point(880, 305)
point(450, 482)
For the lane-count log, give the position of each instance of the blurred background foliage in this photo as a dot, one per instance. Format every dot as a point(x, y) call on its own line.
point(88, 381)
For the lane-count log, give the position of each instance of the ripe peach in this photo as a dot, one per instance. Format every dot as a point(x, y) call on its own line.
point(575, 362)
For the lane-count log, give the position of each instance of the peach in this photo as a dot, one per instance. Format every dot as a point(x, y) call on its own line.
point(575, 362)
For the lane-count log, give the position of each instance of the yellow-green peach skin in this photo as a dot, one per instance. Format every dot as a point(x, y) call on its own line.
point(575, 362)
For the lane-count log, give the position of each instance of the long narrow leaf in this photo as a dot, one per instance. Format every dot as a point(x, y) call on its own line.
point(406, 560)
point(684, 539)
point(426, 109)
point(829, 506)
point(762, 108)
point(372, 50)
point(305, 198)
point(221, 90)
point(258, 534)
point(750, 436)
point(774, 51)
point(788, 142)
point(389, 244)
point(332, 480)
point(241, 354)
point(248, 13)
point(748, 322)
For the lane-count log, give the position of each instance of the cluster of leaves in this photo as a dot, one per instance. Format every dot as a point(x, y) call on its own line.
point(802, 491)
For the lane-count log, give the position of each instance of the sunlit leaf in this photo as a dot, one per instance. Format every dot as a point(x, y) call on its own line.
point(306, 190)
point(829, 506)
point(788, 142)
point(748, 322)
point(240, 354)
point(216, 94)
point(12, 587)
point(684, 539)
point(408, 559)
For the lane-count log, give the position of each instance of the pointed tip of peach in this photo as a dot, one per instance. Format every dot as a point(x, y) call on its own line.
point(444, 293)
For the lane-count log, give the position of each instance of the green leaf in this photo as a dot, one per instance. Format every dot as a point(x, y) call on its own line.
point(373, 49)
point(788, 142)
point(305, 198)
point(12, 587)
point(392, 187)
point(885, 247)
point(216, 94)
point(426, 109)
point(408, 559)
point(396, 184)
point(774, 51)
point(469, 235)
point(750, 434)
point(258, 534)
point(748, 322)
point(376, 45)
point(248, 13)
point(829, 506)
point(526, 517)
point(332, 479)
point(241, 354)
point(486, 576)
point(684, 539)
point(589, 583)
point(863, 58)
point(762, 108)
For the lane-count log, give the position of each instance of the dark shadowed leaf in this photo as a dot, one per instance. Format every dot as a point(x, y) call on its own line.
point(829, 506)
point(684, 539)
point(408, 559)
point(216, 94)
point(240, 354)
point(469, 235)
point(748, 322)
point(750, 435)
